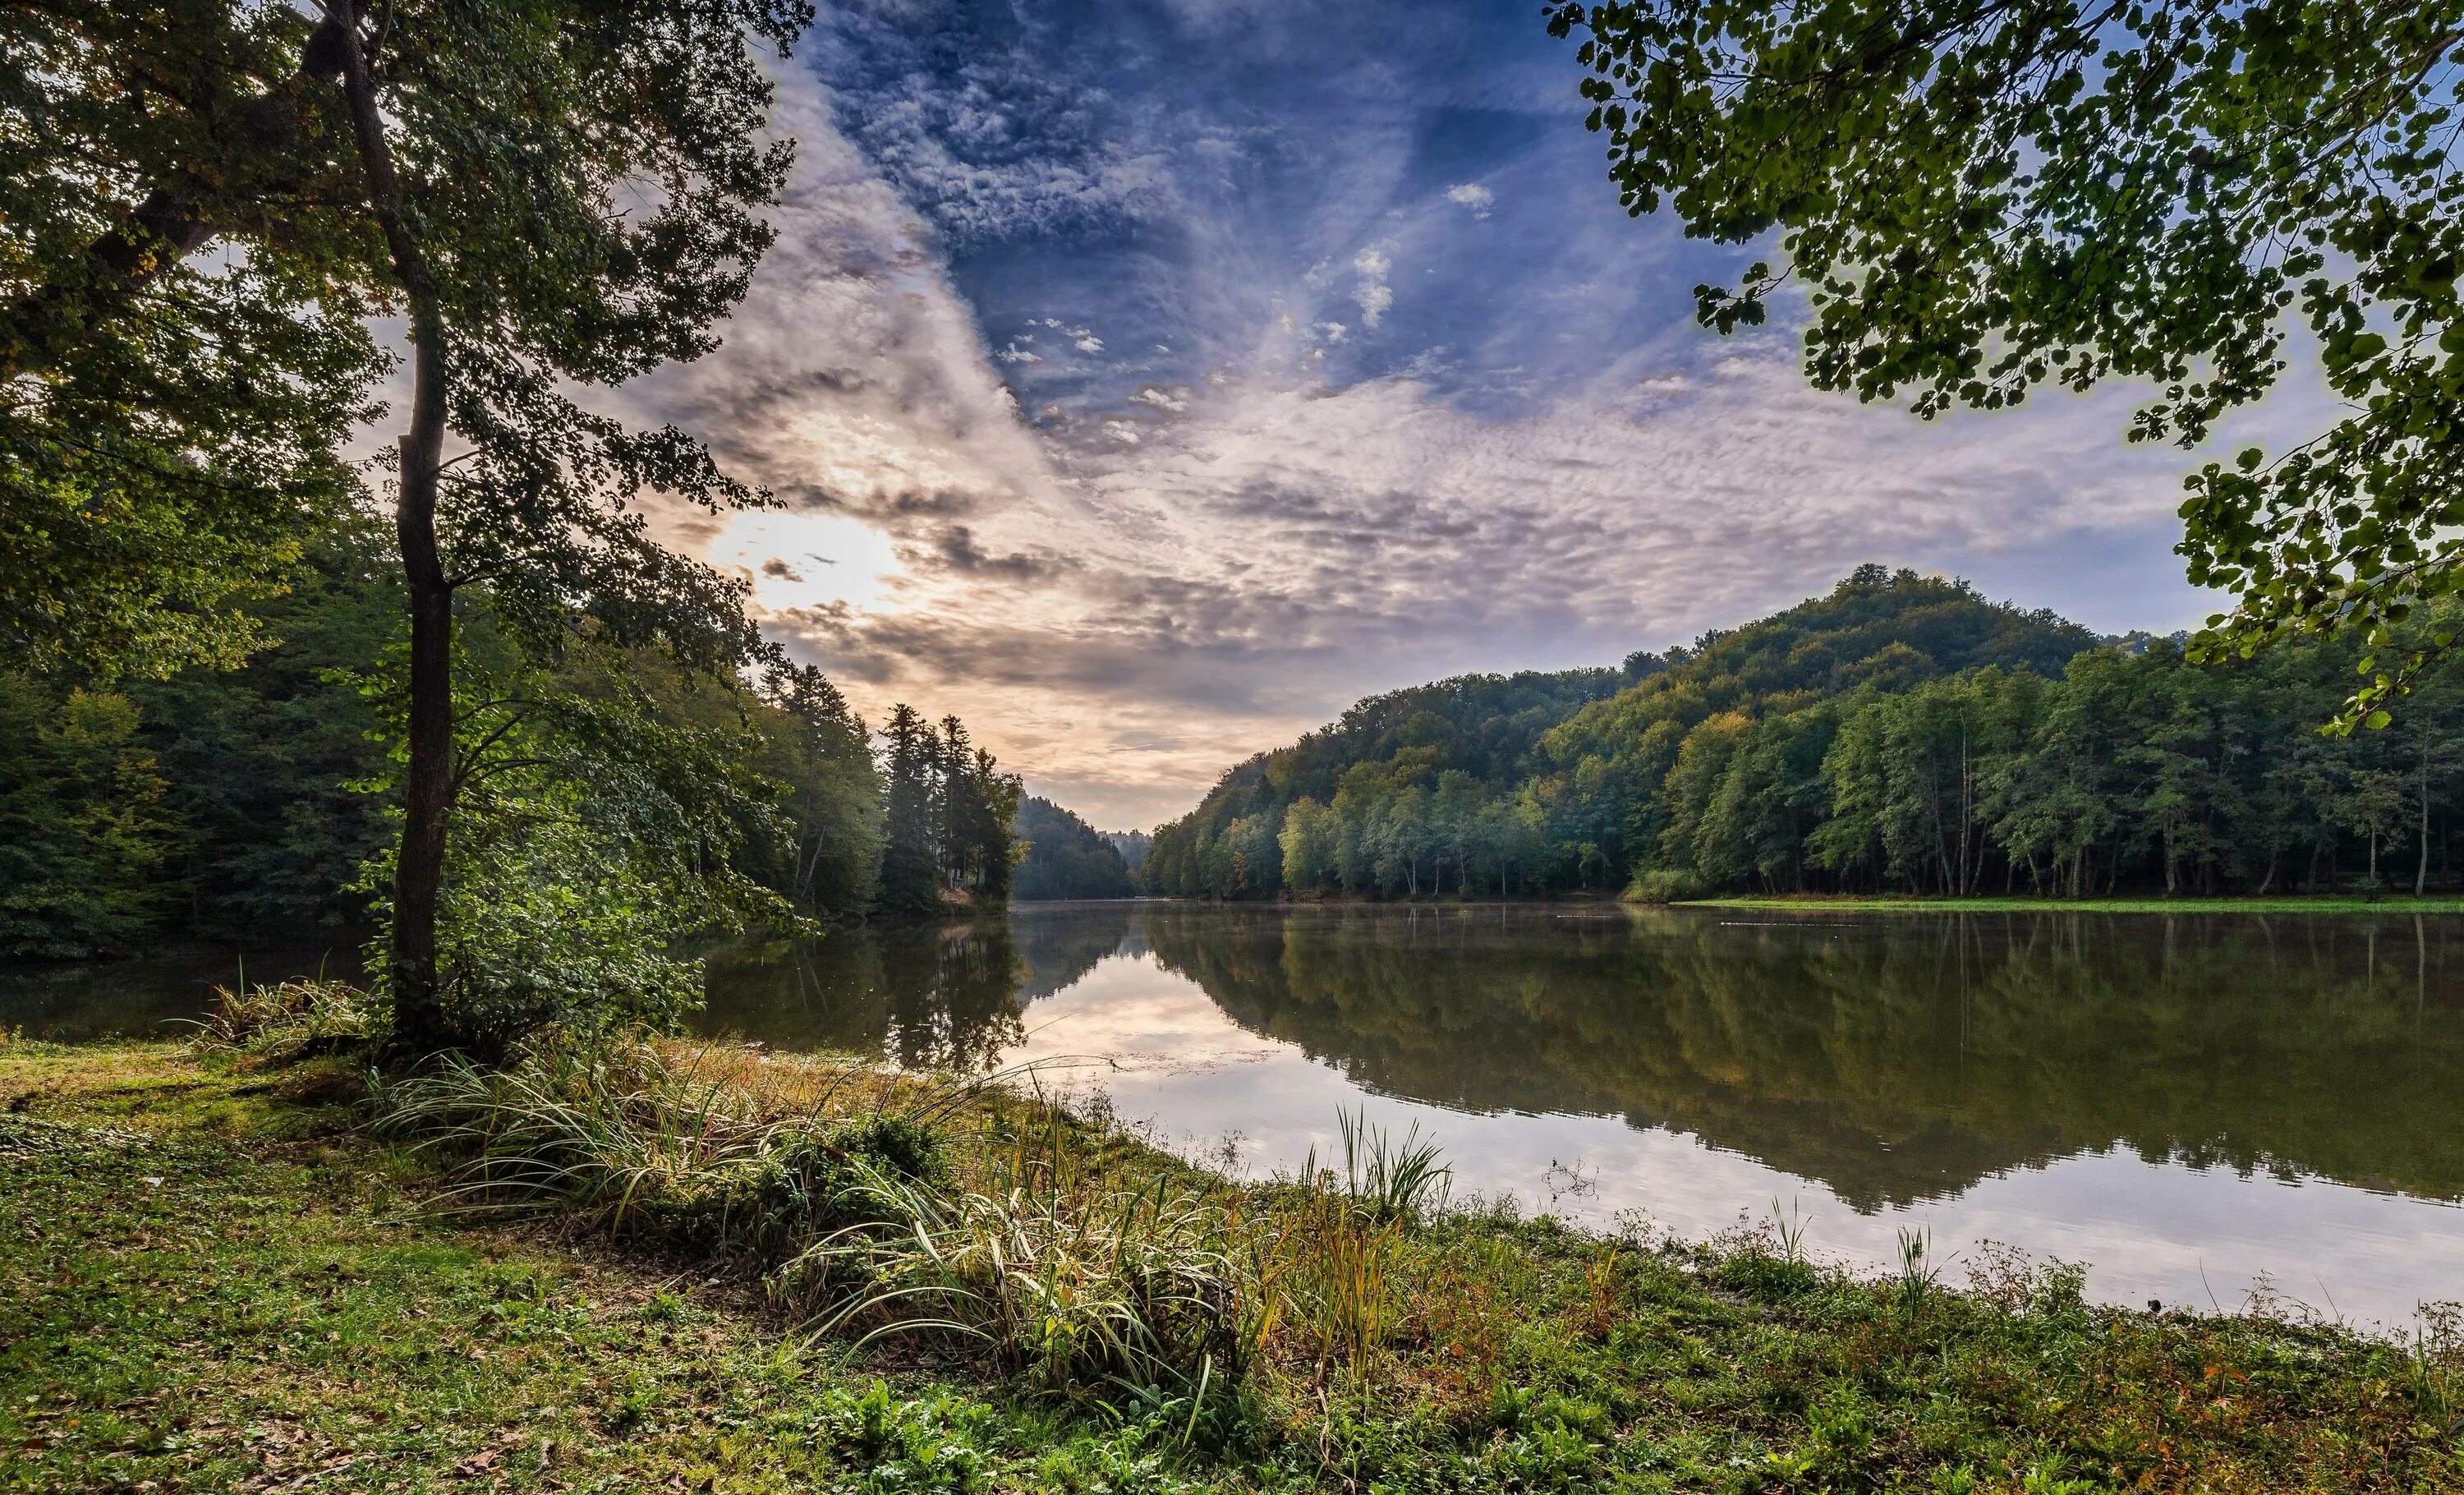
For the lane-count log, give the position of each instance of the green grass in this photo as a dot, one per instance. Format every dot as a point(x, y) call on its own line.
point(212, 1279)
point(1897, 902)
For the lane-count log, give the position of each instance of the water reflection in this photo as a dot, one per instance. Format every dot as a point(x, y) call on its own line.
point(2186, 1101)
point(1895, 1060)
point(78, 1003)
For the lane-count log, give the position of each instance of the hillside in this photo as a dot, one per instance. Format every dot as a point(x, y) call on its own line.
point(1899, 732)
point(1065, 857)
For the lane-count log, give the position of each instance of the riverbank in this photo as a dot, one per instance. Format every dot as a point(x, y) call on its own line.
point(2017, 904)
point(331, 1328)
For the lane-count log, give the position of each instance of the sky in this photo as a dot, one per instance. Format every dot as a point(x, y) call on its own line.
point(1145, 383)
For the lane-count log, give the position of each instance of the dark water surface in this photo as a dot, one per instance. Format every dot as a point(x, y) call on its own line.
point(2186, 1103)
point(2190, 1104)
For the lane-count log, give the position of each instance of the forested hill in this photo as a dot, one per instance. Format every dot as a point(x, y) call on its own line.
point(1899, 732)
point(1065, 857)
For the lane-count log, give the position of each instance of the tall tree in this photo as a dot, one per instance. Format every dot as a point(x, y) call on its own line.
point(910, 884)
point(1981, 201)
point(504, 153)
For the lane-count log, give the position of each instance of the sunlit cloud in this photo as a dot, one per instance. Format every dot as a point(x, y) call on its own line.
point(1153, 434)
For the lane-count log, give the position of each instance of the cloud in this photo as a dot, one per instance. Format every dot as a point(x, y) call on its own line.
point(1129, 572)
point(1371, 292)
point(1474, 196)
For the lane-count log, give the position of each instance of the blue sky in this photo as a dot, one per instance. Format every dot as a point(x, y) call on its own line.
point(1146, 382)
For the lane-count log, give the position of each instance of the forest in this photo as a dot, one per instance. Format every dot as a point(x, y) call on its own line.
point(257, 803)
point(1063, 857)
point(1899, 733)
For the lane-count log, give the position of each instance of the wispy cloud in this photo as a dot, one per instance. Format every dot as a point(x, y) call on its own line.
point(1128, 568)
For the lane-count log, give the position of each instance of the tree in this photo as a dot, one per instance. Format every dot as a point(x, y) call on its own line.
point(1980, 201)
point(169, 439)
point(910, 884)
point(1310, 842)
point(1064, 856)
point(818, 749)
point(503, 154)
point(81, 823)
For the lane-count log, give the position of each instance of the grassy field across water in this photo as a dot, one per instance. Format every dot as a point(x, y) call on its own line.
point(242, 1269)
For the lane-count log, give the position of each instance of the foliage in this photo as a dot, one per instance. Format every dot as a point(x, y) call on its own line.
point(170, 431)
point(83, 828)
point(266, 765)
point(1978, 203)
point(1897, 733)
point(1064, 857)
point(814, 744)
point(1540, 784)
point(947, 815)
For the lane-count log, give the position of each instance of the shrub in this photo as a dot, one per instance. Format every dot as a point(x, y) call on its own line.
point(1667, 885)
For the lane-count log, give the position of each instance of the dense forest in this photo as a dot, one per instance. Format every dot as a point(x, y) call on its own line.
point(254, 803)
point(1901, 733)
point(1063, 857)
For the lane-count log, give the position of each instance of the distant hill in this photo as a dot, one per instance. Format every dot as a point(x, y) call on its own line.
point(1899, 732)
point(1065, 857)
point(1133, 844)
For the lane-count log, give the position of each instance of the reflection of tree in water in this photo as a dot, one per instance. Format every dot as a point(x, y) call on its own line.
point(1893, 1059)
point(925, 995)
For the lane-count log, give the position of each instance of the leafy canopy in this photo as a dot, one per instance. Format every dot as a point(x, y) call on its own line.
point(1981, 198)
point(168, 419)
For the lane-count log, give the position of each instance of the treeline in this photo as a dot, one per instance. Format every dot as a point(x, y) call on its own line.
point(1900, 733)
point(1063, 857)
point(257, 803)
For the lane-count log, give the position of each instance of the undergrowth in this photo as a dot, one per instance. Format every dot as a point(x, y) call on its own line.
point(988, 1291)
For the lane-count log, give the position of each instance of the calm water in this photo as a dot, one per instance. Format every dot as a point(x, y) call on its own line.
point(2184, 1103)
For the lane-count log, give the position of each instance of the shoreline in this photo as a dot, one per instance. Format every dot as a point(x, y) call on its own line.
point(238, 1208)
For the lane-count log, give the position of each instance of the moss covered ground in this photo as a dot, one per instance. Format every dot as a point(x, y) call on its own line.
point(213, 1278)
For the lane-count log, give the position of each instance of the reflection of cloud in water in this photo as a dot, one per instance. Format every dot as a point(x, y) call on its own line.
point(1133, 1017)
point(2077, 1088)
point(2184, 1234)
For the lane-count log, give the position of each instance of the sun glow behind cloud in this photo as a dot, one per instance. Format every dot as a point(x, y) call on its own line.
point(808, 559)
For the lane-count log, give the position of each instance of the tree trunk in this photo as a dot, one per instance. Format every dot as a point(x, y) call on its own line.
point(419, 1024)
point(2421, 867)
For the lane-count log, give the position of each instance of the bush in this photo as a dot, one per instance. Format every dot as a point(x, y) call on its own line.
point(1667, 885)
point(554, 928)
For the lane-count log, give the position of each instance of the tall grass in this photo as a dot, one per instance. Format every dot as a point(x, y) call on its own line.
point(287, 1017)
point(1072, 1287)
point(1384, 1178)
point(965, 1220)
point(671, 1145)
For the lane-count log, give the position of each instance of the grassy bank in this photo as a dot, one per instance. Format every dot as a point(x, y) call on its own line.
point(216, 1275)
point(2026, 905)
